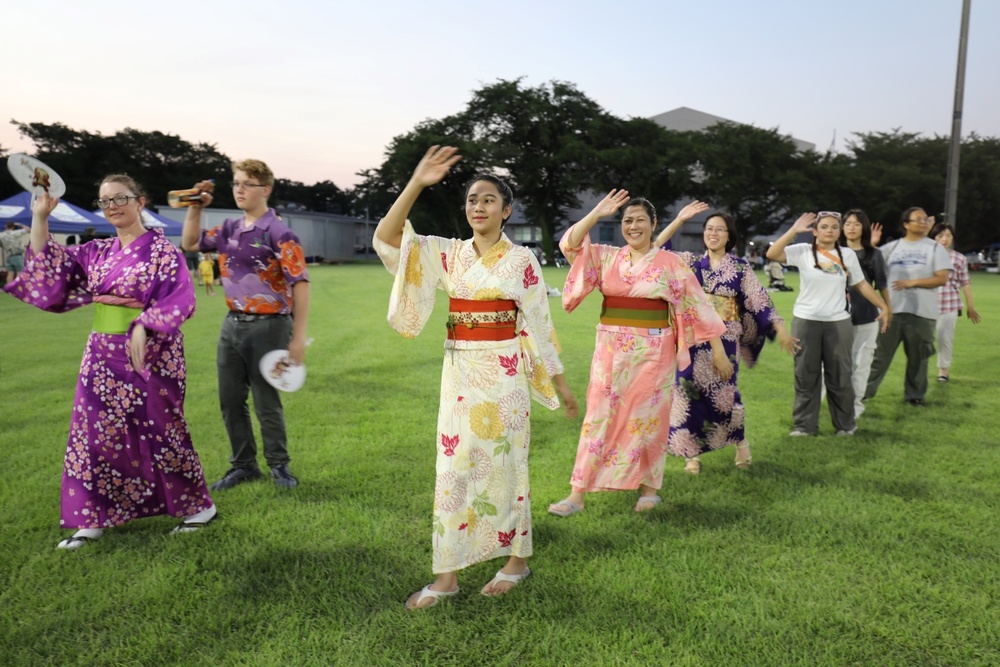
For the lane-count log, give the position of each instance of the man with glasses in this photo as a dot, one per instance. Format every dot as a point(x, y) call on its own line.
point(267, 291)
point(917, 266)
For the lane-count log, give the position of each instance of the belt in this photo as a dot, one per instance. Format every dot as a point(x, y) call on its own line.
point(252, 317)
point(110, 319)
point(482, 320)
point(726, 307)
point(627, 311)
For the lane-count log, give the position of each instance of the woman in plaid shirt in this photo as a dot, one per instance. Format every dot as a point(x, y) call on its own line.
point(949, 300)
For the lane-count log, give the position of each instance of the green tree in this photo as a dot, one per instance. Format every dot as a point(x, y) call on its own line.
point(323, 196)
point(976, 223)
point(644, 158)
point(754, 173)
point(439, 210)
point(543, 138)
point(160, 162)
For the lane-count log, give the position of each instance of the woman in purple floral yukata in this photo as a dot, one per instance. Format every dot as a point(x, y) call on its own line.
point(129, 453)
point(707, 412)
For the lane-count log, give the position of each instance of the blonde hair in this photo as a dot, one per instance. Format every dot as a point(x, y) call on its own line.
point(255, 169)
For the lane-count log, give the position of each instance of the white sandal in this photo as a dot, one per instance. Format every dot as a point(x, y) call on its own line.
point(514, 579)
point(427, 592)
point(655, 500)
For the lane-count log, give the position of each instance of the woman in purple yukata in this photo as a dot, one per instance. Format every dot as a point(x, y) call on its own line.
point(707, 412)
point(129, 453)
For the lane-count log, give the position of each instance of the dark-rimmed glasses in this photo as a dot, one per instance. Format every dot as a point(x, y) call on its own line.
point(119, 200)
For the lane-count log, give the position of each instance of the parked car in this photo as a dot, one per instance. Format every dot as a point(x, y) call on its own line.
point(983, 260)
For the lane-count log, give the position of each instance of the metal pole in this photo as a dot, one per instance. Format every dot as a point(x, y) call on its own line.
point(955, 145)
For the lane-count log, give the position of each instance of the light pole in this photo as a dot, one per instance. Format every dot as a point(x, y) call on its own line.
point(955, 145)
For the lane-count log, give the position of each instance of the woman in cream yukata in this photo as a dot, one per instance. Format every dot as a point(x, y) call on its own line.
point(654, 309)
point(499, 351)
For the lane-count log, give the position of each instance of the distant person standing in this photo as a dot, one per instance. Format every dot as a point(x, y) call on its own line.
point(949, 301)
point(14, 240)
point(206, 268)
point(266, 283)
point(917, 266)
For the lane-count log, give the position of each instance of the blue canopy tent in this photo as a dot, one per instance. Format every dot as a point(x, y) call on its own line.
point(151, 220)
point(65, 219)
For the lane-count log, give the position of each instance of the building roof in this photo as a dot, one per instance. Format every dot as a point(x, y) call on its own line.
point(685, 119)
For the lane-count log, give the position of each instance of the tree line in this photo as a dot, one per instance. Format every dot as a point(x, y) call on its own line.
point(554, 143)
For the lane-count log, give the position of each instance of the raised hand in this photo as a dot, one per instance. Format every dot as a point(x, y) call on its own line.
point(43, 206)
point(804, 223)
point(876, 233)
point(691, 210)
point(434, 165)
point(611, 203)
point(206, 187)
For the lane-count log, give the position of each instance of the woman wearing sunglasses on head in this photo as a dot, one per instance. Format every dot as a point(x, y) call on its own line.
point(821, 320)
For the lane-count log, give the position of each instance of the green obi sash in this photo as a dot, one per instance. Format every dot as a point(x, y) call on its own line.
point(113, 319)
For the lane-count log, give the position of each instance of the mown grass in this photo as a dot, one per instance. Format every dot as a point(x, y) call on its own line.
point(880, 549)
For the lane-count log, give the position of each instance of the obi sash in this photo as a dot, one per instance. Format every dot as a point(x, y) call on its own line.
point(481, 320)
point(110, 319)
point(627, 311)
point(725, 306)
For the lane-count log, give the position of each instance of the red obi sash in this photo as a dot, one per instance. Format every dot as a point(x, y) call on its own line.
point(481, 320)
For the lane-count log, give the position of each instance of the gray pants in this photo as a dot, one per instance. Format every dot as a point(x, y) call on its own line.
point(826, 344)
point(917, 336)
point(241, 345)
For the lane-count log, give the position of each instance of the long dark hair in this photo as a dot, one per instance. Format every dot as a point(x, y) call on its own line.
point(867, 263)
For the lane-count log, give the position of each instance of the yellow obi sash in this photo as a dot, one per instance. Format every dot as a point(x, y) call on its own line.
point(110, 319)
point(627, 311)
point(482, 320)
point(726, 307)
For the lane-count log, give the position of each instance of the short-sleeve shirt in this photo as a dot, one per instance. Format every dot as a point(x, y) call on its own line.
point(949, 300)
point(258, 263)
point(15, 241)
point(913, 260)
point(863, 311)
point(823, 291)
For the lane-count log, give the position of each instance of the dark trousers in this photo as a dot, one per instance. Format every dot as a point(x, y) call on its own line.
point(917, 336)
point(826, 344)
point(241, 345)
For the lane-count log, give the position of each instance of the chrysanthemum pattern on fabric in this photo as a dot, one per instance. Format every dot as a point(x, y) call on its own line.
point(482, 506)
point(708, 413)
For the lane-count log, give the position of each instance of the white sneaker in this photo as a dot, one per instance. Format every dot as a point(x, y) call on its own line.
point(798, 432)
point(851, 432)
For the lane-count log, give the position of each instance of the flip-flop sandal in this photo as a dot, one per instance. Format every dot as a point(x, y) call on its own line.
point(426, 592)
point(510, 578)
point(193, 526)
point(573, 508)
point(653, 500)
point(74, 543)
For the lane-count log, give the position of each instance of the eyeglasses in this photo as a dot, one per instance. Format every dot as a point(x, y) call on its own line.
point(828, 214)
point(119, 200)
point(246, 186)
point(716, 230)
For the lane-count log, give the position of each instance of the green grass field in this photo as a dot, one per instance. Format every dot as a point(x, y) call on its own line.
point(882, 549)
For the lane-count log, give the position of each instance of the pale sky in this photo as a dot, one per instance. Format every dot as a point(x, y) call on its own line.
point(318, 89)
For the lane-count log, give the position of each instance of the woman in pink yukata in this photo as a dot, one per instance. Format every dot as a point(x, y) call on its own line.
point(129, 453)
point(654, 310)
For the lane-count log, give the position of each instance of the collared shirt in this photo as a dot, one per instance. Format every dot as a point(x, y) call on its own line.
point(948, 297)
point(15, 241)
point(258, 263)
